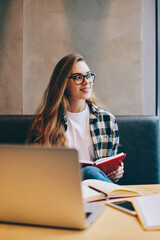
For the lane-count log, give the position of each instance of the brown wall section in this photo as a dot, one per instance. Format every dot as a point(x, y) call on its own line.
point(106, 32)
point(11, 42)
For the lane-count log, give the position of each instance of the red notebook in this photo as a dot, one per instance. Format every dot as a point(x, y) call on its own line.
point(107, 164)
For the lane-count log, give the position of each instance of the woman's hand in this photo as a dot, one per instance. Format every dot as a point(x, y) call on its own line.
point(116, 174)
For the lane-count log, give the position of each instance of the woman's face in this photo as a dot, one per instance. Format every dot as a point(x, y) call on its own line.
point(83, 91)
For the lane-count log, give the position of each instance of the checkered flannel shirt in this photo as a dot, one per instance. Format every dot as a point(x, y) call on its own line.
point(104, 132)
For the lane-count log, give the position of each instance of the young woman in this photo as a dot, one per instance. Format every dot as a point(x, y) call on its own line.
point(69, 117)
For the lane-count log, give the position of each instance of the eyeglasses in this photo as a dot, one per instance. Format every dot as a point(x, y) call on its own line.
point(79, 78)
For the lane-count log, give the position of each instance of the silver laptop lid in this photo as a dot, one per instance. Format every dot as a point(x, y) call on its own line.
point(41, 186)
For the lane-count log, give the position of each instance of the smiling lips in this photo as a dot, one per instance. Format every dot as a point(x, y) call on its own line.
point(85, 90)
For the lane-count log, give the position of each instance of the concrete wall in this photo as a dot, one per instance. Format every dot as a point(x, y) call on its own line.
point(11, 50)
point(106, 32)
point(148, 58)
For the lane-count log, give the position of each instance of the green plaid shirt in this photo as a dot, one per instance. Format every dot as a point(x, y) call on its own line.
point(104, 132)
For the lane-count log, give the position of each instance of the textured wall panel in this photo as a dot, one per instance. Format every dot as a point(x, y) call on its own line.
point(106, 33)
point(11, 42)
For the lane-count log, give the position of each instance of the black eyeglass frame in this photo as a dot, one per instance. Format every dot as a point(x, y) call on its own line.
point(84, 76)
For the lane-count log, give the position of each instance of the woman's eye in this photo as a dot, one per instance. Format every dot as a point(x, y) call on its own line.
point(77, 77)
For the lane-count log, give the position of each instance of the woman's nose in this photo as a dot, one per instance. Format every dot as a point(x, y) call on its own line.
point(85, 82)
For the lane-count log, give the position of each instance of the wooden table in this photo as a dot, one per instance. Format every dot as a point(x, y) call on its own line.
point(112, 224)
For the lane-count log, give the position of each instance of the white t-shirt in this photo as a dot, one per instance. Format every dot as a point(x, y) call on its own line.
point(78, 134)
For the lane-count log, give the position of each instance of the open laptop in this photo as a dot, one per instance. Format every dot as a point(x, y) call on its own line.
point(42, 186)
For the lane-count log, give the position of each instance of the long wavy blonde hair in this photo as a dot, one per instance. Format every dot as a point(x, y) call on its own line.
point(48, 125)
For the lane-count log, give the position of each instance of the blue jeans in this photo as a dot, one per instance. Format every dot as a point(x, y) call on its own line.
point(91, 172)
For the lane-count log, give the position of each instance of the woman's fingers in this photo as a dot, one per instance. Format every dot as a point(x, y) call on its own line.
point(118, 173)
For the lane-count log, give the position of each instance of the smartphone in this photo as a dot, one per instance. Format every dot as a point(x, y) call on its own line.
point(123, 205)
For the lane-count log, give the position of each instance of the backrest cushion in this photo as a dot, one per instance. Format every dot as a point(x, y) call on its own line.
point(139, 139)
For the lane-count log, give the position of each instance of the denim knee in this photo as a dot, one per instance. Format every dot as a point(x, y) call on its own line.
point(91, 172)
